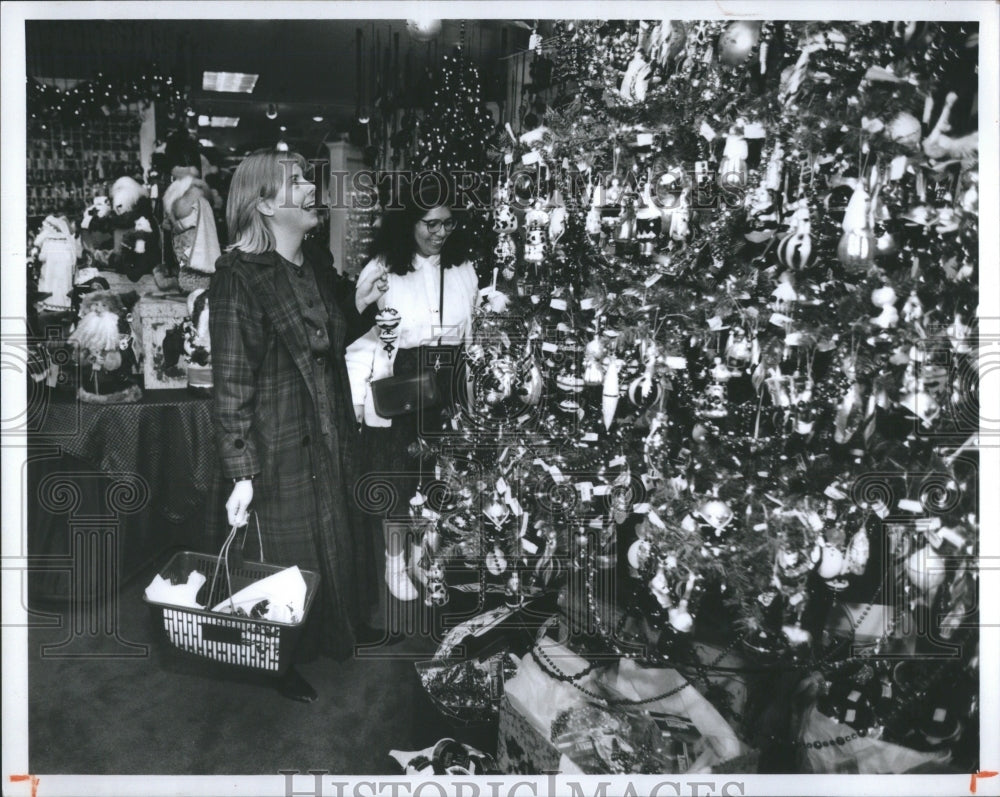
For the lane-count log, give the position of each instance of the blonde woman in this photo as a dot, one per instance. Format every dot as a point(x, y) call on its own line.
point(284, 425)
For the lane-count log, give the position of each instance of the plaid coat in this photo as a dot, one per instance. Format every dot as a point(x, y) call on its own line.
point(267, 419)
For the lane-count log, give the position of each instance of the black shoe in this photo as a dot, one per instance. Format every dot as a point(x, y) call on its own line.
point(293, 686)
point(367, 636)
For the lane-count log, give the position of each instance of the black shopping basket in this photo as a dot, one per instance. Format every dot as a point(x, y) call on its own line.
point(244, 642)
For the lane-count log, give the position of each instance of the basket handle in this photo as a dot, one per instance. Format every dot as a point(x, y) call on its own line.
point(224, 557)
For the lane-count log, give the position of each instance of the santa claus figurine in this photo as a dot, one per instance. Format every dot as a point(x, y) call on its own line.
point(105, 350)
point(187, 215)
point(58, 251)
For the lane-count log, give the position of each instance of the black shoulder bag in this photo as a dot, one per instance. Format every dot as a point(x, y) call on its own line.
point(401, 395)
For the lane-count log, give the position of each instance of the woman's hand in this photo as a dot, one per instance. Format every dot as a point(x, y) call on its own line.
point(239, 502)
point(371, 285)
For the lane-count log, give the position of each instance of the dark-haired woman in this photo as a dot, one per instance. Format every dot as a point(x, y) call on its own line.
point(422, 254)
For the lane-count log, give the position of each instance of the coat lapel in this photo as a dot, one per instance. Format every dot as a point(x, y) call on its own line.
point(272, 284)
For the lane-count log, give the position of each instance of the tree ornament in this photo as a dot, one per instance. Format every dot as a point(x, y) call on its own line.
point(659, 587)
point(530, 391)
point(513, 596)
point(505, 225)
point(635, 83)
point(610, 393)
point(925, 568)
point(638, 554)
point(856, 249)
point(713, 402)
point(496, 561)
point(387, 321)
point(885, 299)
point(716, 515)
point(795, 249)
point(905, 130)
point(678, 616)
point(796, 635)
point(536, 226)
point(435, 593)
point(733, 166)
point(737, 40)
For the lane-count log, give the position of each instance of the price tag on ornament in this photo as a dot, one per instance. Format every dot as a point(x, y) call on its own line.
point(850, 715)
point(780, 319)
point(548, 346)
point(648, 480)
point(515, 506)
point(706, 131)
point(535, 298)
point(617, 461)
point(590, 437)
point(854, 696)
point(586, 490)
point(508, 157)
point(529, 546)
point(556, 474)
point(563, 327)
point(675, 363)
point(641, 508)
point(909, 505)
point(530, 158)
point(651, 281)
point(558, 304)
point(602, 489)
point(587, 303)
point(754, 130)
point(502, 487)
point(940, 714)
point(655, 519)
point(887, 690)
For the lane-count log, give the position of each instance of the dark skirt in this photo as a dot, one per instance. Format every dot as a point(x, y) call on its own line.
point(390, 469)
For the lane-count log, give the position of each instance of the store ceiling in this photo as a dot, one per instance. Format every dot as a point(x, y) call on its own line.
point(307, 68)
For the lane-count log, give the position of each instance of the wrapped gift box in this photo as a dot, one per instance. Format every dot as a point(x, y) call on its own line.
point(696, 738)
point(160, 319)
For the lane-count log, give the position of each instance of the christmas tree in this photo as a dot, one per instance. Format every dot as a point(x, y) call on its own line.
point(729, 351)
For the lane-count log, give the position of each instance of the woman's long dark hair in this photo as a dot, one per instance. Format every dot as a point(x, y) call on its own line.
point(414, 198)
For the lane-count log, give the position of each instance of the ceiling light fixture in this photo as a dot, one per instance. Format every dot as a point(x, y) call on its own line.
point(236, 82)
point(272, 111)
point(317, 118)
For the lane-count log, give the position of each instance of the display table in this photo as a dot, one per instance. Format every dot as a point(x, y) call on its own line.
point(111, 487)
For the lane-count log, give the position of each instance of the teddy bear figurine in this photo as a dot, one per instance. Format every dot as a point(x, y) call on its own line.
point(136, 236)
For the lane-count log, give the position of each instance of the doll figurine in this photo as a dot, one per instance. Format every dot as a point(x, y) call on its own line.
point(58, 251)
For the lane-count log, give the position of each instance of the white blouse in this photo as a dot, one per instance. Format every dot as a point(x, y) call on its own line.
point(415, 295)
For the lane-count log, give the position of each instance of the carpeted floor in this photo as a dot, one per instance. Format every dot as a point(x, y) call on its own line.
point(165, 713)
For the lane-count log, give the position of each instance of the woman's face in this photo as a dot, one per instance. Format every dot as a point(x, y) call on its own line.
point(295, 204)
point(431, 231)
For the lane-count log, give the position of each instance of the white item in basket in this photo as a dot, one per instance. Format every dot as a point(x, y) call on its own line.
point(160, 590)
point(285, 593)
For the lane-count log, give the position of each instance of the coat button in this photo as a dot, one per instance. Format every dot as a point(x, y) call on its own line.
point(306, 440)
point(309, 302)
point(319, 333)
point(237, 443)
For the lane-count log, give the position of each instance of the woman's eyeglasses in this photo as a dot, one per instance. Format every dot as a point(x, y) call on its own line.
point(434, 225)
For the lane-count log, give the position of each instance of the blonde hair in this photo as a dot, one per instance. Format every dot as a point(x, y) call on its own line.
point(259, 176)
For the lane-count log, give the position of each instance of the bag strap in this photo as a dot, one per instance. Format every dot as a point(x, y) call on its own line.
point(441, 304)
